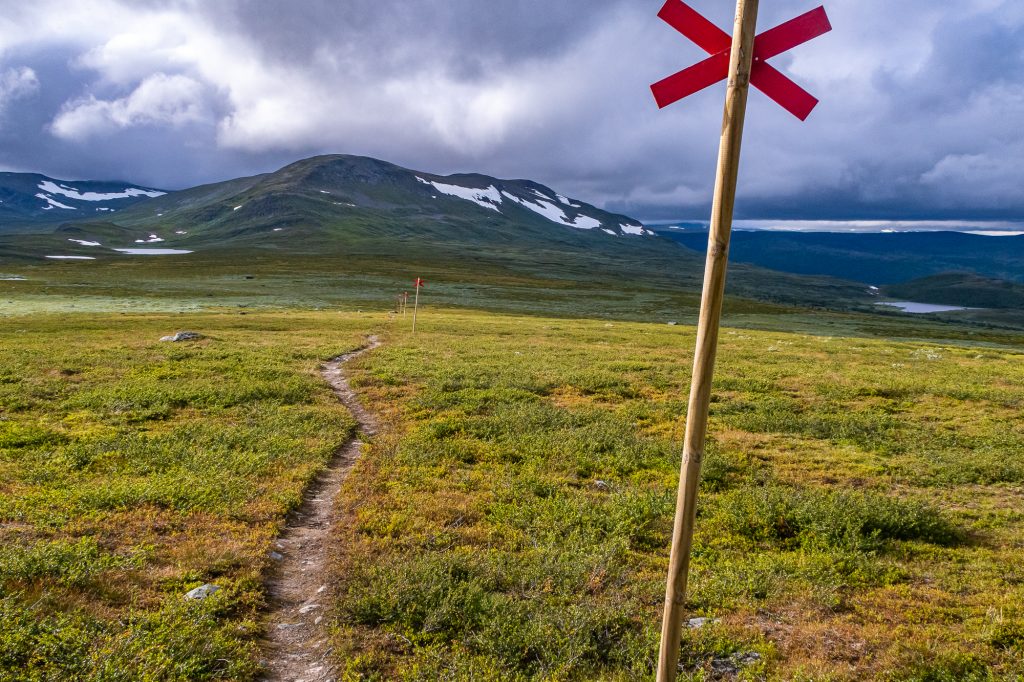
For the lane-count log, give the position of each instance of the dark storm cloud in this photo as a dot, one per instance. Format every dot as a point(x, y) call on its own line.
point(920, 114)
point(403, 34)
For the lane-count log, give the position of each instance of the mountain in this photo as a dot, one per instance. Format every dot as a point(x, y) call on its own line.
point(32, 198)
point(874, 259)
point(370, 217)
point(958, 288)
point(367, 196)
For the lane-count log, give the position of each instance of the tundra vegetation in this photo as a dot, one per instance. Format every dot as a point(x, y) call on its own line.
point(861, 510)
point(132, 471)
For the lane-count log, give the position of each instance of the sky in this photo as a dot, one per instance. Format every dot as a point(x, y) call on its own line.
point(921, 114)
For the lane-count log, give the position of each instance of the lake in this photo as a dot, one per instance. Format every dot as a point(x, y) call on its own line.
point(912, 307)
point(152, 252)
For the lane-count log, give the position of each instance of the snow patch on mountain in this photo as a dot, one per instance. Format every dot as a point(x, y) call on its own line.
point(637, 230)
point(85, 242)
point(73, 193)
point(488, 198)
point(555, 214)
point(152, 240)
point(52, 203)
point(583, 222)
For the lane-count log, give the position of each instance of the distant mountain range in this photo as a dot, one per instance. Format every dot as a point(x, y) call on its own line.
point(873, 259)
point(30, 197)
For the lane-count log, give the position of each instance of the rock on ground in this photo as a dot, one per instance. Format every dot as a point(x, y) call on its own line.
point(201, 592)
point(182, 336)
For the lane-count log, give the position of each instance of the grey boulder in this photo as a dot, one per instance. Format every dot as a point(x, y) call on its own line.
point(201, 592)
point(182, 336)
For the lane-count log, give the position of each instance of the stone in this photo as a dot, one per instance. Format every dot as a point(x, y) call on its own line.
point(730, 665)
point(672, 323)
point(697, 623)
point(202, 592)
point(602, 486)
point(182, 336)
point(276, 556)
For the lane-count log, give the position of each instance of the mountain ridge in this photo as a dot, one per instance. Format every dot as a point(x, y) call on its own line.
point(34, 197)
point(342, 187)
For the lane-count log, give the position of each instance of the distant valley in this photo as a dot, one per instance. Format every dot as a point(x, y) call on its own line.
point(870, 258)
point(951, 268)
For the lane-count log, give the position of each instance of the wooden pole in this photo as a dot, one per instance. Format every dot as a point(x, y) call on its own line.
point(740, 63)
point(415, 307)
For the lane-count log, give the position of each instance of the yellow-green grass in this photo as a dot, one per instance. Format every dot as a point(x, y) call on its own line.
point(132, 470)
point(860, 515)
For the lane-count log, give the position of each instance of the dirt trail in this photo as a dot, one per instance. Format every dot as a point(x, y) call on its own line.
point(298, 648)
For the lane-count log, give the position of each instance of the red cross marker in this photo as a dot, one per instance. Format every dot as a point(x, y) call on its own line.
point(718, 44)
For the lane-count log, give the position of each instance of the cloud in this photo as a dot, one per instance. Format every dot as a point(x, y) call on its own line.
point(15, 84)
point(158, 100)
point(994, 177)
point(920, 111)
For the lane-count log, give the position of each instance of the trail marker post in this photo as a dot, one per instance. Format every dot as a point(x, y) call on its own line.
point(418, 283)
point(741, 59)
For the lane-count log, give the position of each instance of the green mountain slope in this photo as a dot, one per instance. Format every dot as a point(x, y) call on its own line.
point(363, 197)
point(959, 288)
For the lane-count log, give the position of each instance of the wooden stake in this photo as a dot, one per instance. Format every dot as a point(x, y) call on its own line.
point(415, 307)
point(740, 63)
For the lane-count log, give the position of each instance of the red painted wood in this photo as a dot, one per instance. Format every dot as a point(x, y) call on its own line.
point(764, 76)
point(691, 24)
point(794, 32)
point(782, 90)
point(693, 79)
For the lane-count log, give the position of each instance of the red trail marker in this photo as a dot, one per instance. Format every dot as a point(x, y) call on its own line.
point(718, 44)
point(418, 283)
